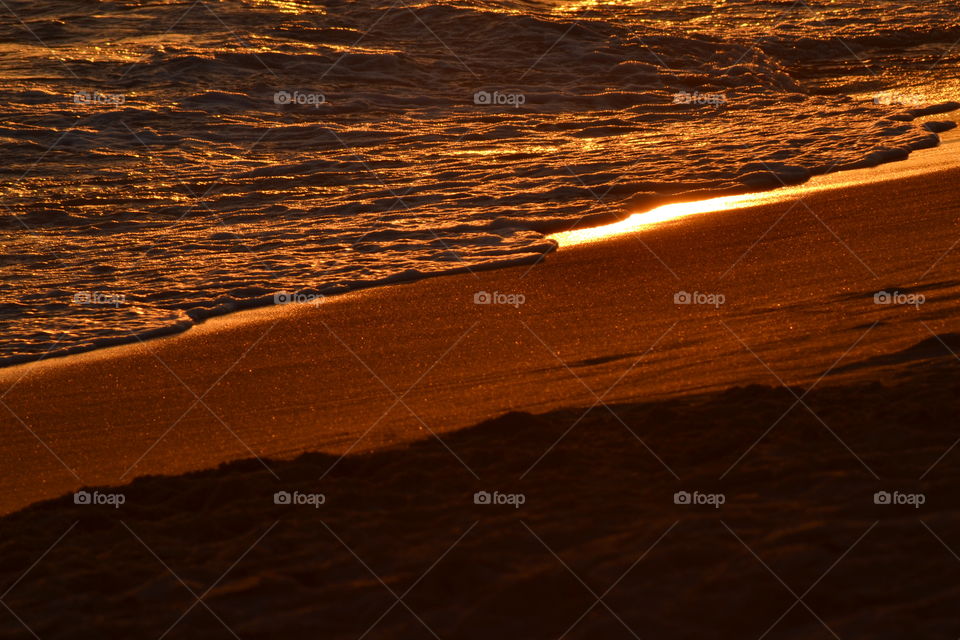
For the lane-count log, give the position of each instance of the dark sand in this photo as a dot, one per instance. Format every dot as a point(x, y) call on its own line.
point(800, 500)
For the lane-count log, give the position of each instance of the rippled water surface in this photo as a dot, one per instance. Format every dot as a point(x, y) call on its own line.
point(167, 161)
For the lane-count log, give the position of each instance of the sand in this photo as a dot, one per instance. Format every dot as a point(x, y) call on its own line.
point(797, 399)
point(594, 518)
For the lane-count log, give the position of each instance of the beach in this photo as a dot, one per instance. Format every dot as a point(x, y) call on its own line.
point(480, 319)
point(582, 384)
point(598, 324)
point(399, 548)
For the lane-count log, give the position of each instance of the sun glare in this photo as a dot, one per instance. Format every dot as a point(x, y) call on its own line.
point(660, 215)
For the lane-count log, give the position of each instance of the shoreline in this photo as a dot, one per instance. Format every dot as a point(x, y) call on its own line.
point(944, 156)
point(598, 321)
point(918, 161)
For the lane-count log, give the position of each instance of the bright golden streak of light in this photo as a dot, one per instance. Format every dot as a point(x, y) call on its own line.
point(662, 214)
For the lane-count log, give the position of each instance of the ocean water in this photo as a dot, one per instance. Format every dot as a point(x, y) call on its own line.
point(169, 161)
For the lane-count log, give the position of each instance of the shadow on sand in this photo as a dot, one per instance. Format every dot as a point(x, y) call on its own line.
point(400, 549)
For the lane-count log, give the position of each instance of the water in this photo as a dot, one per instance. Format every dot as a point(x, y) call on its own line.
point(165, 162)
